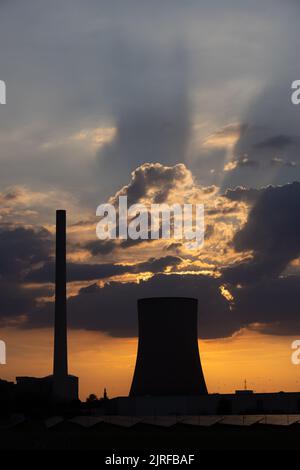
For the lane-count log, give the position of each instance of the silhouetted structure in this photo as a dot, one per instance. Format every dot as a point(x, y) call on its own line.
point(168, 361)
point(59, 387)
point(65, 387)
point(60, 363)
point(168, 377)
point(7, 396)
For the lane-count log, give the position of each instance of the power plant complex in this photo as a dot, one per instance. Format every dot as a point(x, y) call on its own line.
point(168, 377)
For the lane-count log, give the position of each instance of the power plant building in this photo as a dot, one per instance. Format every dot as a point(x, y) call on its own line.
point(168, 377)
point(168, 361)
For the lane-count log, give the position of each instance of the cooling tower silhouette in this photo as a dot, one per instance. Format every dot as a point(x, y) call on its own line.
point(168, 361)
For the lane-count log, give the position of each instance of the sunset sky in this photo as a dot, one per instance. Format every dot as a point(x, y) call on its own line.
point(166, 101)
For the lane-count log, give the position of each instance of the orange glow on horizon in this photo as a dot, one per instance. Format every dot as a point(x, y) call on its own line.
point(101, 361)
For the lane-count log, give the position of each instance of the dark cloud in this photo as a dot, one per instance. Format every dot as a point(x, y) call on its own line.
point(16, 300)
point(88, 272)
point(112, 309)
point(277, 161)
point(271, 137)
point(272, 306)
point(272, 232)
point(101, 247)
point(246, 162)
point(209, 231)
point(277, 142)
point(8, 196)
point(273, 303)
point(249, 195)
point(176, 246)
point(22, 248)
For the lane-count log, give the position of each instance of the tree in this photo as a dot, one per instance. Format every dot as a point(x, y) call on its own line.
point(91, 398)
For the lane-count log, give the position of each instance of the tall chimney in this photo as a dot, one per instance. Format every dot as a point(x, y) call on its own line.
point(60, 366)
point(168, 361)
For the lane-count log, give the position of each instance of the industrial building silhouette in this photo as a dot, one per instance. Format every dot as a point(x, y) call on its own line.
point(168, 361)
point(168, 377)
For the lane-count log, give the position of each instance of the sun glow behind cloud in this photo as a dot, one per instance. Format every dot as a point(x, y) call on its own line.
point(96, 137)
point(226, 293)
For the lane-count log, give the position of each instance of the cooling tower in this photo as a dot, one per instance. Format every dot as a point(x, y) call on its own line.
point(168, 361)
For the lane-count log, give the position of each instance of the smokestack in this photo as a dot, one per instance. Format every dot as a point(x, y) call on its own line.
point(168, 361)
point(60, 366)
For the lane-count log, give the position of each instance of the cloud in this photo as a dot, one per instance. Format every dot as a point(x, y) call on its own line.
point(138, 90)
point(120, 300)
point(17, 301)
point(88, 272)
point(152, 182)
point(22, 206)
point(269, 306)
point(99, 75)
point(277, 161)
point(277, 142)
point(150, 109)
point(155, 181)
point(20, 250)
point(100, 247)
point(226, 137)
point(241, 162)
point(249, 195)
point(272, 233)
point(271, 137)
